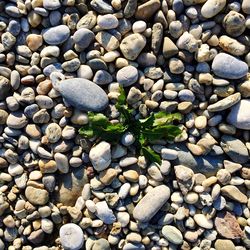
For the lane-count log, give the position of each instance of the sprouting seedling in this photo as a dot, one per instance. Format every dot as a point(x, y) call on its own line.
point(155, 127)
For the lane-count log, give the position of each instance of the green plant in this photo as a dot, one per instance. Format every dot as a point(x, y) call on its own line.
point(156, 126)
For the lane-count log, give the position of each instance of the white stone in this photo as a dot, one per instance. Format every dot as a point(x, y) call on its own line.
point(71, 237)
point(100, 156)
point(104, 213)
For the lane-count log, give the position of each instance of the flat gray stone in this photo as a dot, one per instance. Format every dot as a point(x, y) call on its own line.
point(234, 148)
point(144, 210)
point(239, 115)
point(207, 164)
point(56, 35)
point(230, 67)
point(83, 94)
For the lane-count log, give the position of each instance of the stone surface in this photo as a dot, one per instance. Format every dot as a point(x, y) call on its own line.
point(83, 37)
point(146, 10)
point(203, 221)
point(212, 7)
point(132, 45)
point(234, 148)
point(104, 213)
point(17, 120)
point(100, 156)
point(83, 94)
point(224, 245)
point(234, 193)
point(227, 226)
point(56, 35)
point(239, 115)
point(207, 164)
point(127, 76)
point(108, 41)
point(70, 186)
point(227, 66)
point(71, 236)
point(172, 234)
point(144, 211)
point(36, 196)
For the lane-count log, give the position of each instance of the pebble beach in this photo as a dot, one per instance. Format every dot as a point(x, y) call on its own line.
point(62, 60)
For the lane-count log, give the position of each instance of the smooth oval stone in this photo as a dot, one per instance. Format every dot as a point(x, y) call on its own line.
point(56, 35)
point(239, 115)
point(227, 66)
point(71, 236)
point(172, 234)
point(83, 94)
point(144, 211)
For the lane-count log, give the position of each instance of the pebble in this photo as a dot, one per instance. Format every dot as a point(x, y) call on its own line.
point(132, 45)
point(224, 244)
point(104, 213)
point(212, 7)
point(107, 22)
point(101, 244)
point(143, 211)
point(56, 35)
point(100, 156)
point(146, 10)
point(227, 226)
point(203, 221)
point(16, 120)
point(234, 193)
point(71, 236)
point(172, 234)
point(246, 7)
point(51, 4)
point(233, 69)
point(234, 148)
point(127, 76)
point(73, 90)
point(36, 196)
point(108, 41)
point(83, 37)
point(239, 115)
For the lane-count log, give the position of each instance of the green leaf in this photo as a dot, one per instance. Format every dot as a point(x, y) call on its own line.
point(147, 122)
point(151, 155)
point(86, 131)
point(168, 132)
point(98, 119)
point(116, 128)
point(162, 118)
point(122, 97)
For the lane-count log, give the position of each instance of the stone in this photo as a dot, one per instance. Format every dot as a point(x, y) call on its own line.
point(17, 120)
point(185, 178)
point(224, 245)
point(187, 42)
point(101, 244)
point(3, 116)
point(100, 156)
point(203, 221)
point(108, 41)
point(71, 236)
point(132, 45)
point(229, 67)
point(36, 196)
point(83, 37)
point(144, 211)
point(234, 193)
point(234, 23)
point(212, 7)
point(56, 35)
point(107, 22)
point(169, 48)
point(245, 7)
point(88, 21)
point(107, 176)
point(127, 76)
point(234, 148)
point(53, 132)
point(104, 213)
point(70, 186)
point(51, 4)
point(193, 2)
point(101, 6)
point(232, 46)
point(225, 103)
point(146, 10)
point(102, 77)
point(130, 8)
point(207, 164)
point(4, 87)
point(172, 234)
point(239, 116)
point(83, 94)
point(227, 226)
